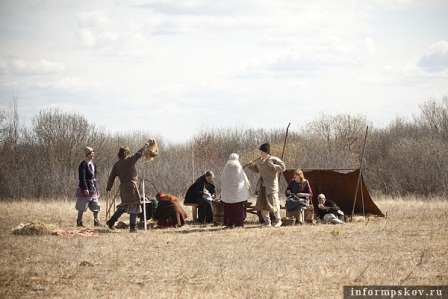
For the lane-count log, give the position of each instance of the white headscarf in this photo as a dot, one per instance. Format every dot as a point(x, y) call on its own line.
point(234, 157)
point(234, 182)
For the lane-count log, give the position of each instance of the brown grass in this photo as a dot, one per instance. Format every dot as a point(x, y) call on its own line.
point(409, 247)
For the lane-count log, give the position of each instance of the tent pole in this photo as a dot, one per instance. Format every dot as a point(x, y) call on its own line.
point(360, 172)
point(192, 164)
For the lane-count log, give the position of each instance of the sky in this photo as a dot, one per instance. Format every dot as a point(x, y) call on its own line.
point(175, 68)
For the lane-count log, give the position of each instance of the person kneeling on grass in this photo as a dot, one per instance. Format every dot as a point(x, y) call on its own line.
point(169, 213)
point(328, 210)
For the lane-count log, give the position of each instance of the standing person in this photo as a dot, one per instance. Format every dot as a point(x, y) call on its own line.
point(299, 194)
point(87, 193)
point(202, 192)
point(234, 191)
point(124, 168)
point(267, 187)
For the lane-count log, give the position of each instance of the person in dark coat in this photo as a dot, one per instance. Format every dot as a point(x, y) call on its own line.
point(87, 192)
point(202, 192)
point(169, 212)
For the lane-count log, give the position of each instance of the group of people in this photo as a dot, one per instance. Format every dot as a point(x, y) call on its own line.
point(235, 191)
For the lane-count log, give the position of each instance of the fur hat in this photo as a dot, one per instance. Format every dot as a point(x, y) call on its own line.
point(87, 150)
point(265, 147)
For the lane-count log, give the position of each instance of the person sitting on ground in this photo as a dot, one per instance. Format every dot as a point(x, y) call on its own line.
point(169, 213)
point(299, 195)
point(328, 210)
point(202, 193)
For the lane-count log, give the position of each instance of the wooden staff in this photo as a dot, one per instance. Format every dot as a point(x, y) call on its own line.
point(247, 164)
point(111, 204)
point(359, 176)
point(284, 143)
point(144, 204)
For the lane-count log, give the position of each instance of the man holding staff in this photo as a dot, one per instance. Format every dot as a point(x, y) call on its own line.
point(124, 168)
point(267, 187)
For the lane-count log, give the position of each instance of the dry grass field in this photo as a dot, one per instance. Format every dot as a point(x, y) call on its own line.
point(408, 247)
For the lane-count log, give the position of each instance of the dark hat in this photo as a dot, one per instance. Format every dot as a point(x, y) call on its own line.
point(266, 147)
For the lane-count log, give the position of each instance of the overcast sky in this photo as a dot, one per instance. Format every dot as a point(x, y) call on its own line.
point(176, 67)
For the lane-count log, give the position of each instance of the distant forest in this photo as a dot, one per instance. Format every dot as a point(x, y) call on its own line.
point(407, 157)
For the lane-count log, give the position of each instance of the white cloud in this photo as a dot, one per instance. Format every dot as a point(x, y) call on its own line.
point(40, 67)
point(97, 19)
point(85, 38)
point(436, 59)
point(175, 65)
point(195, 7)
point(66, 83)
point(370, 45)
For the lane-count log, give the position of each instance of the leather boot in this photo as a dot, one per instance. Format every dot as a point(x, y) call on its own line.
point(79, 223)
point(133, 227)
point(111, 222)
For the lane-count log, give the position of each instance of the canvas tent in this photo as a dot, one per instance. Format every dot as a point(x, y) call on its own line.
point(340, 187)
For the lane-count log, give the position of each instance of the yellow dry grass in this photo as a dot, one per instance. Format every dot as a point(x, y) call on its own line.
point(409, 247)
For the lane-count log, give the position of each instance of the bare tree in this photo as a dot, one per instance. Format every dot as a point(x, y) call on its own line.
point(61, 138)
point(434, 117)
point(335, 141)
point(405, 157)
point(12, 157)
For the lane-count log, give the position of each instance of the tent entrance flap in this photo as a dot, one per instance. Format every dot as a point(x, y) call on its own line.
point(340, 187)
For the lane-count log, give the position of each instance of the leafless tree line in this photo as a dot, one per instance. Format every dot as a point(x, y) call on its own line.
point(406, 157)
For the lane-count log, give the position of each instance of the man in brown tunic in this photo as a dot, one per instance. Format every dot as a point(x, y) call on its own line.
point(267, 187)
point(124, 168)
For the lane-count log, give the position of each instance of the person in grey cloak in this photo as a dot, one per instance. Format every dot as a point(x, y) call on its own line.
point(267, 187)
point(124, 168)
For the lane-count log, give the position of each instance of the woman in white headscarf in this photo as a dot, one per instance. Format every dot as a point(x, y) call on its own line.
point(234, 191)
